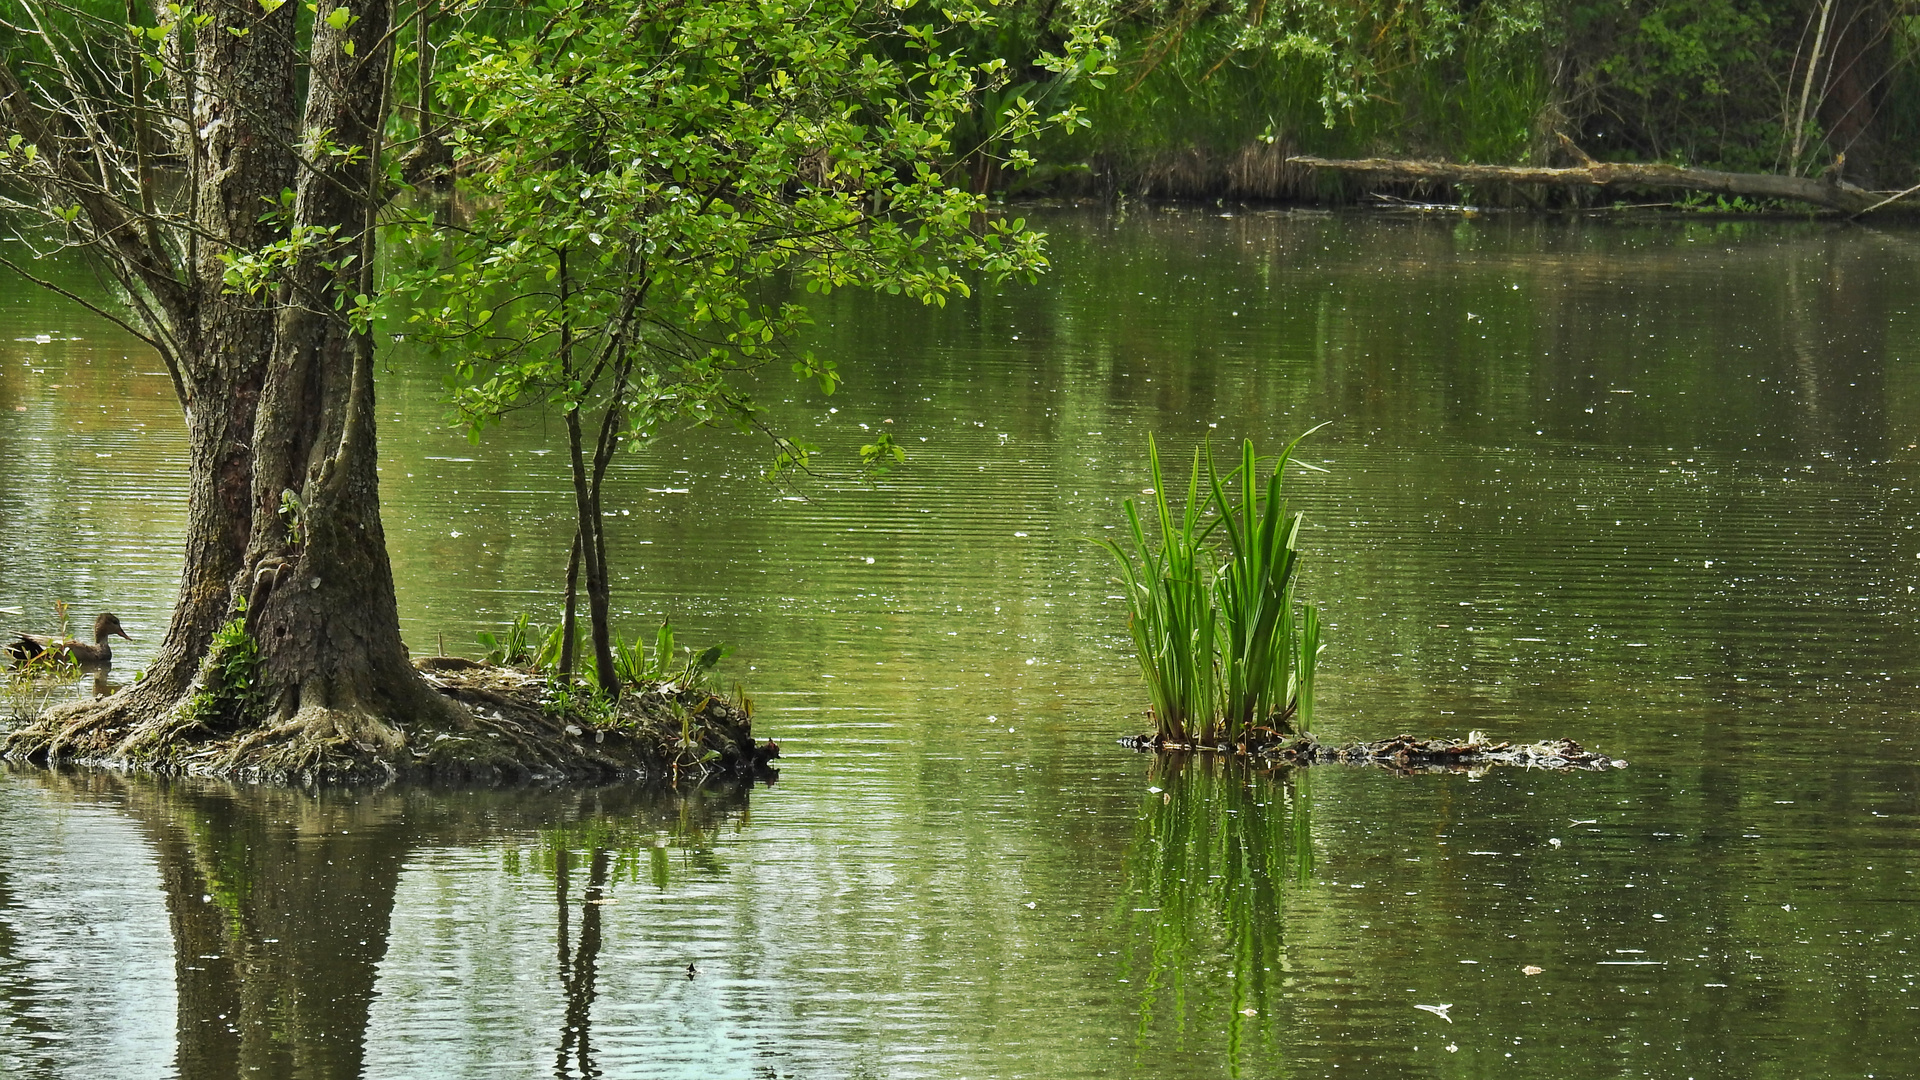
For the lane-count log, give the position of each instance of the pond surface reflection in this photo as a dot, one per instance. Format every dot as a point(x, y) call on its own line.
point(1649, 486)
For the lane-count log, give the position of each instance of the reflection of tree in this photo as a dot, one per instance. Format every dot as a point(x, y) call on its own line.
point(1207, 875)
point(280, 905)
point(18, 1017)
point(280, 901)
point(577, 968)
point(612, 851)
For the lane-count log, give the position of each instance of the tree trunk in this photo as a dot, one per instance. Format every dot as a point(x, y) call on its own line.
point(324, 616)
point(283, 521)
point(1860, 66)
point(570, 609)
point(593, 551)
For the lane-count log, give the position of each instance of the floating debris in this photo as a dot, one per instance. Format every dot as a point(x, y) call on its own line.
point(1402, 753)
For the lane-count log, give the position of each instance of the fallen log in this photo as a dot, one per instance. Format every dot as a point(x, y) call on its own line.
point(1828, 191)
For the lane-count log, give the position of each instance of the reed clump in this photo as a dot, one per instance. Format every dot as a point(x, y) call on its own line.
point(1225, 647)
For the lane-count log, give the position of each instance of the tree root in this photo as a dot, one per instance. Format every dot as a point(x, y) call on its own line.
point(487, 725)
point(1402, 753)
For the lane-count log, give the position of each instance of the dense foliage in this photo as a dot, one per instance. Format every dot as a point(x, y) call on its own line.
point(1212, 96)
point(642, 179)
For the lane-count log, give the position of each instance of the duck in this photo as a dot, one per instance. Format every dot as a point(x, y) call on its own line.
point(28, 647)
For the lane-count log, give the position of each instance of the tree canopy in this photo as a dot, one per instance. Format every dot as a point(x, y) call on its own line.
point(648, 187)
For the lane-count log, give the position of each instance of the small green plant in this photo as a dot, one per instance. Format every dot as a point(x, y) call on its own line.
point(634, 666)
point(1267, 655)
point(229, 691)
point(1169, 609)
point(546, 657)
point(685, 668)
point(527, 644)
point(292, 513)
point(574, 703)
point(690, 749)
point(1225, 649)
point(28, 688)
point(515, 646)
point(48, 664)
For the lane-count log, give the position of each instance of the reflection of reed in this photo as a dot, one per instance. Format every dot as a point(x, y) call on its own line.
point(1207, 873)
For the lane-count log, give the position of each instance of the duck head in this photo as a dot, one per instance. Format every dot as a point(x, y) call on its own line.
point(107, 625)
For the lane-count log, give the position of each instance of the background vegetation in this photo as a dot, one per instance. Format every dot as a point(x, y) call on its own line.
point(1212, 96)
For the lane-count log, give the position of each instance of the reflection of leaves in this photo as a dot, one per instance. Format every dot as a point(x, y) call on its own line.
point(641, 843)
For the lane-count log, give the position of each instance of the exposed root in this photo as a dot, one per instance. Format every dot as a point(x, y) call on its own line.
point(485, 724)
point(71, 730)
point(1402, 753)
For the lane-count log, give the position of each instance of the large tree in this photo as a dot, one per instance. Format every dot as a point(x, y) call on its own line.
point(222, 163)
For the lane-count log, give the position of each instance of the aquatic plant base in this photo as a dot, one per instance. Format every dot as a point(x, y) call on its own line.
point(511, 730)
point(1402, 753)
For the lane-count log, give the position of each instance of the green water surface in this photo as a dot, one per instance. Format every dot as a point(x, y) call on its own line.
point(1646, 485)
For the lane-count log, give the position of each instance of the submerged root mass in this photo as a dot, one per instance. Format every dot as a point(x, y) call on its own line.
point(503, 725)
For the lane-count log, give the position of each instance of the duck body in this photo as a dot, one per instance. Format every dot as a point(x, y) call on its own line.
point(26, 648)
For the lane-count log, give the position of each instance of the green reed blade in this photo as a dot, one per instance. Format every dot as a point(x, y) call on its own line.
point(1217, 643)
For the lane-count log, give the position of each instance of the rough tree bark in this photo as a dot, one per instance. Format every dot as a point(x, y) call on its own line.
point(321, 599)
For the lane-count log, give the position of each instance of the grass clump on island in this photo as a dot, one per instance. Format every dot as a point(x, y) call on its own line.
point(1227, 651)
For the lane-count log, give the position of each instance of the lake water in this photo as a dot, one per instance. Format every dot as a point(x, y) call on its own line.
point(1646, 485)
